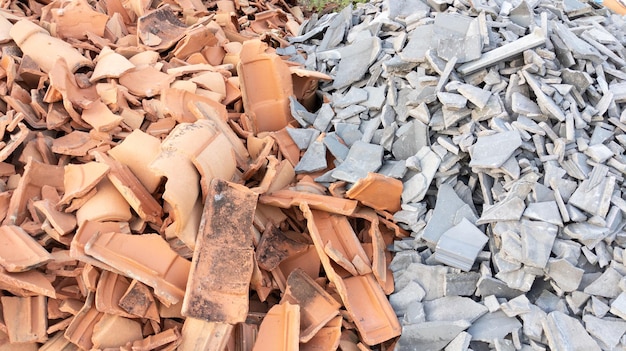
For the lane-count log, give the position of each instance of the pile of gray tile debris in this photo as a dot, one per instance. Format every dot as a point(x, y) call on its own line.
point(504, 120)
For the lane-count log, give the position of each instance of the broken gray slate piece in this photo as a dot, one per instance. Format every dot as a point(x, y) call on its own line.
point(362, 159)
point(525, 106)
point(429, 336)
point(414, 314)
point(457, 36)
point(566, 333)
point(451, 100)
point(349, 133)
point(313, 160)
point(504, 52)
point(338, 149)
point(516, 306)
point(579, 48)
point(537, 240)
point(508, 210)
point(300, 113)
point(356, 59)
point(460, 245)
point(461, 284)
point(350, 111)
point(492, 151)
point(546, 211)
point(303, 137)
point(460, 342)
point(566, 276)
point(410, 138)
point(606, 285)
point(607, 331)
point(492, 286)
point(475, 95)
point(453, 308)
point(546, 104)
point(431, 278)
point(586, 233)
point(579, 79)
point(400, 300)
point(495, 325)
point(594, 199)
point(449, 211)
point(415, 188)
point(405, 8)
point(618, 306)
point(420, 41)
point(336, 30)
point(522, 15)
point(352, 97)
point(324, 115)
point(375, 97)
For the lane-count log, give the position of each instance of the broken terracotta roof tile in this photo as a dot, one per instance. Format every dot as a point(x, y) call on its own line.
point(114, 331)
point(280, 329)
point(160, 29)
point(32, 280)
point(79, 179)
point(198, 334)
point(131, 189)
point(76, 18)
point(287, 146)
point(307, 260)
point(100, 117)
point(25, 318)
point(326, 339)
point(317, 307)
point(58, 342)
point(136, 256)
point(19, 252)
point(87, 230)
point(223, 256)
point(76, 143)
point(136, 151)
point(106, 205)
point(138, 301)
point(110, 289)
point(377, 191)
point(63, 223)
point(275, 246)
point(288, 198)
point(268, 107)
point(110, 64)
point(145, 81)
point(80, 330)
point(154, 342)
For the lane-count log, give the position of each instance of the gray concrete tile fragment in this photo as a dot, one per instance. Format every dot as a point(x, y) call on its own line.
point(579, 79)
point(579, 48)
point(415, 187)
point(516, 306)
point(400, 300)
point(429, 336)
point(431, 278)
point(451, 100)
point(300, 113)
point(313, 160)
point(414, 314)
point(405, 8)
point(532, 326)
point(492, 151)
point(449, 211)
point(566, 333)
point(393, 168)
point(475, 95)
point(362, 158)
point(375, 97)
point(324, 115)
point(537, 240)
point(457, 36)
point(564, 274)
point(598, 307)
point(546, 104)
point(586, 233)
point(546, 211)
point(618, 306)
point(492, 286)
point(460, 245)
point(337, 148)
point(461, 284)
point(494, 325)
point(411, 138)
point(607, 332)
point(356, 59)
point(508, 210)
point(420, 41)
point(525, 106)
point(352, 97)
point(460, 342)
point(349, 133)
point(303, 137)
point(606, 285)
point(594, 198)
point(522, 15)
point(350, 111)
point(453, 308)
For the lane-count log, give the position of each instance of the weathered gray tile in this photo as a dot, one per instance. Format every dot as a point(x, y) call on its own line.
point(492, 326)
point(567, 333)
point(361, 159)
point(459, 246)
point(493, 150)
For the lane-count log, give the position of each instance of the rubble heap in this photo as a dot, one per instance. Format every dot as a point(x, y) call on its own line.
point(504, 122)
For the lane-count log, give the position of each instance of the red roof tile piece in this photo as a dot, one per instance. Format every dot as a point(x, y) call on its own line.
point(377, 191)
point(266, 106)
point(86, 231)
point(288, 198)
point(154, 342)
point(280, 329)
point(275, 246)
point(106, 205)
point(73, 19)
point(114, 331)
point(80, 330)
point(25, 318)
point(222, 264)
point(147, 258)
point(160, 29)
point(362, 296)
point(198, 334)
point(138, 301)
point(19, 251)
point(79, 179)
point(136, 151)
point(32, 280)
point(110, 289)
point(326, 339)
point(317, 307)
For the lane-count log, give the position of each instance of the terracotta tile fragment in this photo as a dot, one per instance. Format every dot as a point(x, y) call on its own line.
point(79, 179)
point(100, 117)
point(76, 18)
point(222, 264)
point(136, 151)
point(145, 81)
point(132, 190)
point(160, 29)
point(307, 260)
point(287, 146)
point(16, 139)
point(361, 295)
point(115, 331)
point(154, 342)
point(177, 102)
point(275, 246)
point(377, 191)
point(326, 339)
point(19, 252)
point(110, 64)
point(25, 318)
point(76, 143)
point(280, 329)
point(63, 223)
point(87, 230)
point(106, 205)
point(138, 301)
point(317, 307)
point(147, 258)
point(32, 280)
point(288, 198)
point(266, 106)
point(110, 289)
point(198, 334)
point(31, 38)
point(58, 342)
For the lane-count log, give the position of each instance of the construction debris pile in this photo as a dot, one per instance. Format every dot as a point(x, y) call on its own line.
point(184, 175)
point(503, 120)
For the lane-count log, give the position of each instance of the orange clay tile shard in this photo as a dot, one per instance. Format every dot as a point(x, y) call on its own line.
point(317, 307)
point(288, 198)
point(63, 223)
point(160, 29)
point(100, 117)
point(221, 269)
point(19, 251)
point(275, 246)
point(177, 102)
point(361, 295)
point(147, 258)
point(32, 280)
point(136, 151)
point(76, 18)
point(25, 318)
point(31, 39)
point(265, 86)
point(326, 339)
point(115, 331)
point(156, 341)
point(79, 179)
point(377, 191)
point(132, 190)
point(280, 329)
point(86, 231)
point(80, 330)
point(138, 301)
point(145, 81)
point(110, 289)
point(110, 65)
point(198, 334)
point(106, 205)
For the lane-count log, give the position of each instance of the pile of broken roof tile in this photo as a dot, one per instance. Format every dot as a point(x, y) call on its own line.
point(230, 176)
point(504, 121)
